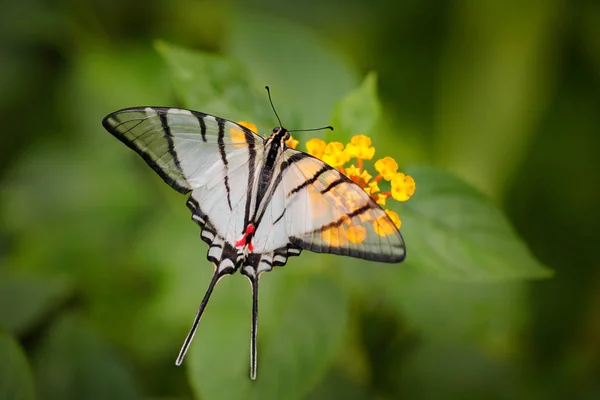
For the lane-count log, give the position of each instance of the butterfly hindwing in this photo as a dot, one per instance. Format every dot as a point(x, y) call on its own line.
point(328, 213)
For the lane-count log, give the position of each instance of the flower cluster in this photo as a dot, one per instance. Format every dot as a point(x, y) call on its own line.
point(360, 149)
point(336, 154)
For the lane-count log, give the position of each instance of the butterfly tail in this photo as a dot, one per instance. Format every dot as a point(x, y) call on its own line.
point(253, 359)
point(219, 273)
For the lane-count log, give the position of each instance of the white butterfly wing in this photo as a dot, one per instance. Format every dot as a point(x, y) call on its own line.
point(328, 213)
point(186, 148)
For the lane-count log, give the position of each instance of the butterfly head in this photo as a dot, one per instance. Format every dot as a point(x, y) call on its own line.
point(280, 135)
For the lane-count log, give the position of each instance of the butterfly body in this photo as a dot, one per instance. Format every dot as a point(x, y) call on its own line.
point(256, 201)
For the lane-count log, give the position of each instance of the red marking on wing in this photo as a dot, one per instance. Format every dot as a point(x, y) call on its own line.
point(242, 242)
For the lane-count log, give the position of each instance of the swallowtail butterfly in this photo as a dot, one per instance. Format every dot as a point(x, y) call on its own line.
point(257, 202)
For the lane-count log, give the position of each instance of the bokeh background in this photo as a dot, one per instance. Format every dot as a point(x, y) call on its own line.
point(101, 269)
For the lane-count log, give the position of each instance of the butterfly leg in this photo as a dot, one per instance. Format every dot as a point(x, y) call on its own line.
point(219, 273)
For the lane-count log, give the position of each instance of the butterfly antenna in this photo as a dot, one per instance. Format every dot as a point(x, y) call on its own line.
point(272, 106)
point(314, 129)
point(190, 336)
point(295, 130)
point(253, 359)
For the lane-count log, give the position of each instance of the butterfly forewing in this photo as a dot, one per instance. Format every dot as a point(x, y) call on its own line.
point(180, 145)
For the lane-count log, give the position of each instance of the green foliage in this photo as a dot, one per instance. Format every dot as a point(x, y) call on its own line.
point(74, 363)
point(454, 231)
point(16, 380)
point(288, 64)
point(216, 84)
point(25, 300)
point(357, 112)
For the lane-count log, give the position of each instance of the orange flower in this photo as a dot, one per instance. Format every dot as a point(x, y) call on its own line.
point(353, 173)
point(334, 154)
point(403, 186)
point(371, 188)
point(360, 147)
point(386, 167)
point(291, 142)
point(248, 125)
point(365, 177)
point(316, 148)
point(380, 198)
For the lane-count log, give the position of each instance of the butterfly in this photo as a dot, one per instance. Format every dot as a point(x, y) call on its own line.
point(257, 201)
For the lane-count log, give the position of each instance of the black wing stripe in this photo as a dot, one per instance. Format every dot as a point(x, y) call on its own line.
point(279, 218)
point(332, 185)
point(310, 181)
point(345, 218)
point(202, 127)
point(221, 123)
point(167, 131)
point(250, 183)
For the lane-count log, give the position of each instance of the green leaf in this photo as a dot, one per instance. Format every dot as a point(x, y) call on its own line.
point(75, 363)
point(169, 247)
point(16, 381)
point(307, 74)
point(358, 112)
point(459, 372)
point(337, 385)
point(215, 85)
point(24, 300)
point(453, 231)
point(300, 325)
point(487, 314)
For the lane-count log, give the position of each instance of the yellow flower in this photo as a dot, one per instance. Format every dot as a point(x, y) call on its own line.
point(386, 167)
point(352, 172)
point(248, 125)
point(360, 147)
point(371, 188)
point(383, 226)
point(316, 148)
point(357, 234)
point(334, 154)
point(365, 176)
point(238, 137)
point(291, 142)
point(381, 198)
point(403, 186)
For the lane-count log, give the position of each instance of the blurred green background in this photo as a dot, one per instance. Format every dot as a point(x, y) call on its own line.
point(101, 269)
